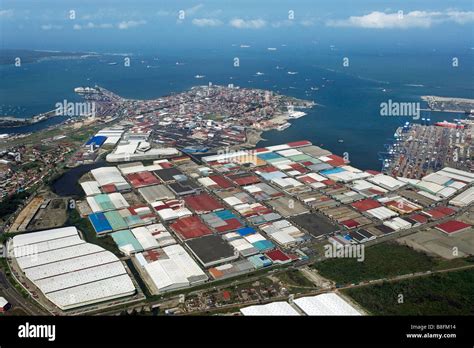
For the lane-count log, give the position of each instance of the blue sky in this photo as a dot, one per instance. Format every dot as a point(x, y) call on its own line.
point(126, 26)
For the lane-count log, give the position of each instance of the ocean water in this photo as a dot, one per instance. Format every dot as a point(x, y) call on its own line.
point(349, 97)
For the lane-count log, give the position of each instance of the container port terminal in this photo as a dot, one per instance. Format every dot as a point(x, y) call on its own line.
point(419, 149)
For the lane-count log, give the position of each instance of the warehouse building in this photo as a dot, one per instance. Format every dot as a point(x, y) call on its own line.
point(190, 227)
point(155, 193)
point(100, 223)
point(325, 304)
point(400, 205)
point(110, 179)
point(126, 242)
point(315, 224)
point(259, 261)
point(169, 269)
point(4, 305)
point(212, 250)
point(91, 188)
point(222, 221)
point(397, 224)
point(262, 219)
point(169, 175)
point(271, 309)
point(96, 141)
point(234, 197)
point(284, 233)
point(262, 191)
point(386, 182)
point(105, 202)
point(463, 199)
point(159, 233)
point(381, 213)
point(203, 203)
point(452, 227)
point(215, 182)
point(279, 257)
point(139, 151)
point(142, 179)
point(171, 210)
point(231, 269)
point(259, 242)
point(344, 173)
point(240, 244)
point(68, 271)
point(288, 206)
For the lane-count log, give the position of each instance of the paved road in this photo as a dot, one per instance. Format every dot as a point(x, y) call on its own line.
point(16, 299)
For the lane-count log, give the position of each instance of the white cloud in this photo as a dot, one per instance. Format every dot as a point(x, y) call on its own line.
point(91, 25)
point(240, 23)
point(285, 23)
point(413, 19)
point(130, 24)
point(6, 13)
point(461, 17)
point(51, 27)
point(206, 22)
point(307, 22)
point(192, 10)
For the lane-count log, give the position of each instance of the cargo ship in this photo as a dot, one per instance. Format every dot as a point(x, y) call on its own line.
point(447, 124)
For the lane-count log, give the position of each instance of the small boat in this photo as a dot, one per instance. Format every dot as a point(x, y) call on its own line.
point(340, 141)
point(283, 126)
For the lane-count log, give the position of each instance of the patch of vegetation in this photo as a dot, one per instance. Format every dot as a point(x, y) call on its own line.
point(31, 165)
point(382, 261)
point(295, 279)
point(83, 224)
point(214, 117)
point(439, 294)
point(4, 237)
point(10, 204)
point(8, 274)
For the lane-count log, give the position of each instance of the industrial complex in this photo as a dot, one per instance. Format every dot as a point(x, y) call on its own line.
point(181, 222)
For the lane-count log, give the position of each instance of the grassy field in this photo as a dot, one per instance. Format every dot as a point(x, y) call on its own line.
point(439, 294)
point(383, 261)
point(295, 281)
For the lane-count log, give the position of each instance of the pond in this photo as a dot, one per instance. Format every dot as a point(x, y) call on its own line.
point(67, 184)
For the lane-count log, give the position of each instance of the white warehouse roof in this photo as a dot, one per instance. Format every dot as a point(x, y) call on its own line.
point(68, 271)
point(108, 175)
point(464, 198)
point(325, 304)
point(272, 309)
point(386, 182)
point(177, 271)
